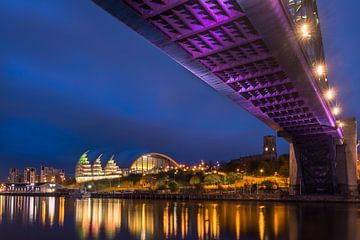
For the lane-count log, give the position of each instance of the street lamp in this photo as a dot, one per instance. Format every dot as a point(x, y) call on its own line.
point(320, 70)
point(340, 124)
point(305, 31)
point(336, 110)
point(329, 94)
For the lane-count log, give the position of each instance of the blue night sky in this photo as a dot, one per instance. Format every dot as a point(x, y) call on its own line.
point(74, 78)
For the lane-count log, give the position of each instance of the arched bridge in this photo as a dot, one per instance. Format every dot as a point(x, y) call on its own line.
point(267, 56)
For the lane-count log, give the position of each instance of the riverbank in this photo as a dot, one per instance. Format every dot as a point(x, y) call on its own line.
point(272, 197)
point(35, 194)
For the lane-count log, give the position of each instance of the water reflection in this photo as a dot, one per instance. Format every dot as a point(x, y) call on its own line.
point(139, 219)
point(1, 207)
point(31, 210)
point(150, 219)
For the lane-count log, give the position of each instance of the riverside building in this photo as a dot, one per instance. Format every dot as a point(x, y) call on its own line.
point(85, 171)
point(29, 175)
point(51, 175)
point(15, 176)
point(150, 163)
point(153, 163)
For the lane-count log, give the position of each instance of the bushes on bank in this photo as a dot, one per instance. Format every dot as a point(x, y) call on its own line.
point(173, 186)
point(194, 180)
point(213, 179)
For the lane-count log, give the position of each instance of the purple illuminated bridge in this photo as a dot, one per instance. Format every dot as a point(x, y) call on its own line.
point(250, 51)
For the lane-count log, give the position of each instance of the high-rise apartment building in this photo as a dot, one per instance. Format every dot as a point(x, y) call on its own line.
point(15, 176)
point(51, 175)
point(29, 175)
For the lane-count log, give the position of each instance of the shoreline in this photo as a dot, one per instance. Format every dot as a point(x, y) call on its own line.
point(204, 197)
point(33, 194)
point(232, 197)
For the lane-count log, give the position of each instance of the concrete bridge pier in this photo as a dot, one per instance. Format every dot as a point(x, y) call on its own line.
point(346, 159)
point(294, 173)
point(321, 164)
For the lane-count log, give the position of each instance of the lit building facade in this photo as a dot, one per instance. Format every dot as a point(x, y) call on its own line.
point(153, 163)
point(51, 175)
point(85, 172)
point(15, 176)
point(83, 167)
point(111, 168)
point(29, 175)
point(96, 168)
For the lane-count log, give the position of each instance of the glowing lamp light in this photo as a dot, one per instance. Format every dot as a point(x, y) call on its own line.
point(340, 124)
point(305, 31)
point(330, 94)
point(336, 111)
point(320, 70)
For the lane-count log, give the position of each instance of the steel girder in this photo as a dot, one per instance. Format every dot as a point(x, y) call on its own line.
point(315, 156)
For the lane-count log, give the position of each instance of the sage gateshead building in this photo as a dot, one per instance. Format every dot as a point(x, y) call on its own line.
point(85, 171)
point(146, 163)
point(153, 163)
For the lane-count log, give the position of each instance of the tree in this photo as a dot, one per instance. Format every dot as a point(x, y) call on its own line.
point(269, 185)
point(194, 180)
point(284, 165)
point(161, 186)
point(253, 165)
point(265, 166)
point(212, 179)
point(233, 177)
point(284, 170)
point(163, 183)
point(173, 186)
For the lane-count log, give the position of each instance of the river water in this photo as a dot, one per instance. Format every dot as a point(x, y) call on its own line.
point(59, 218)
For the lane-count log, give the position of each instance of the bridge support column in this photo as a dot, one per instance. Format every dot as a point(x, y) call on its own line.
point(346, 159)
point(294, 172)
point(312, 165)
point(321, 164)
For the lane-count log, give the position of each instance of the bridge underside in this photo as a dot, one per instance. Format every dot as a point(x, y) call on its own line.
point(248, 51)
